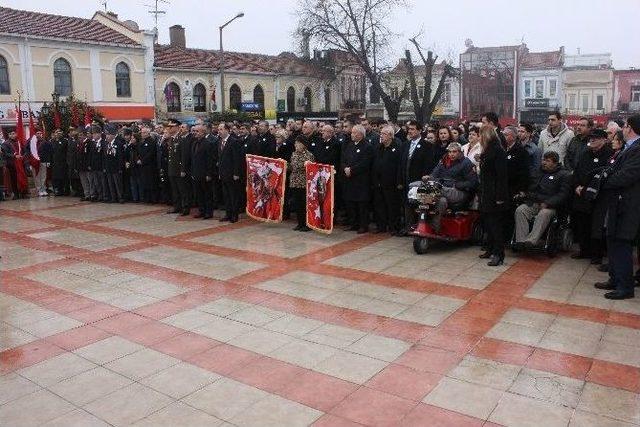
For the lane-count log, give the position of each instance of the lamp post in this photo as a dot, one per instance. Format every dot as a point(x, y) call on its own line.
point(239, 15)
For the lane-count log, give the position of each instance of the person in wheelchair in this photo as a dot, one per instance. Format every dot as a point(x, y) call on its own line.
point(459, 180)
point(549, 191)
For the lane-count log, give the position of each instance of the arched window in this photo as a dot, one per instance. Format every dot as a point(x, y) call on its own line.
point(235, 97)
point(307, 100)
point(291, 100)
point(199, 98)
point(258, 96)
point(172, 95)
point(327, 99)
point(62, 77)
point(4, 76)
point(123, 80)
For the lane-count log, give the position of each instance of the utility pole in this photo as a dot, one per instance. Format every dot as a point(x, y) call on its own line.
point(156, 12)
point(239, 15)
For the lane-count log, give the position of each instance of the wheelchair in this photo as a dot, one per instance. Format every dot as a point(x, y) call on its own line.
point(558, 237)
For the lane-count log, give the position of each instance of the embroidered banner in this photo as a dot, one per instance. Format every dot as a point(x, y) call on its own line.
point(266, 181)
point(320, 179)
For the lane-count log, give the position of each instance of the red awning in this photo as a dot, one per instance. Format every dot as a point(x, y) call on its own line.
point(124, 112)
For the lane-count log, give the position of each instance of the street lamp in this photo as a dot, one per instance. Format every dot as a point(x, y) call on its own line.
point(239, 15)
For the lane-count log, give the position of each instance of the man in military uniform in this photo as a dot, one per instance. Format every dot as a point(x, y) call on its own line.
point(174, 167)
point(96, 148)
point(83, 163)
point(72, 163)
point(184, 140)
point(59, 168)
point(113, 164)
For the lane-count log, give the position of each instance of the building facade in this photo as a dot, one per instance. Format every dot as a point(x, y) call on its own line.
point(106, 62)
point(626, 92)
point(588, 85)
point(540, 86)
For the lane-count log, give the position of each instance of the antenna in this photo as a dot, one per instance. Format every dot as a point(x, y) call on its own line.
point(155, 12)
point(105, 4)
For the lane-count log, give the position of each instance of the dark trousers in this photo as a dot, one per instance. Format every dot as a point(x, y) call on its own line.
point(231, 193)
point(357, 214)
point(176, 192)
point(114, 180)
point(186, 189)
point(204, 196)
point(581, 222)
point(621, 264)
point(387, 208)
point(135, 186)
point(493, 223)
point(106, 192)
point(299, 198)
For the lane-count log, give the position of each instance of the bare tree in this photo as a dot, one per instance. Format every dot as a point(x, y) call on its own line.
point(423, 110)
point(358, 27)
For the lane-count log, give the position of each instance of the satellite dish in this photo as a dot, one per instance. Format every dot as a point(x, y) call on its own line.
point(468, 43)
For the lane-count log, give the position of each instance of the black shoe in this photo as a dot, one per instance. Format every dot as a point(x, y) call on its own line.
point(296, 228)
point(604, 268)
point(185, 212)
point(233, 220)
point(616, 295)
point(224, 219)
point(304, 229)
point(485, 255)
point(579, 255)
point(496, 260)
point(596, 261)
point(352, 228)
point(122, 201)
point(198, 215)
point(207, 217)
point(607, 286)
point(379, 230)
point(173, 211)
point(362, 230)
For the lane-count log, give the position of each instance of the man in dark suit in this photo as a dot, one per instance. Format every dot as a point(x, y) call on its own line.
point(622, 192)
point(355, 166)
point(202, 169)
point(265, 140)
point(418, 159)
point(185, 139)
point(386, 191)
point(230, 168)
point(517, 173)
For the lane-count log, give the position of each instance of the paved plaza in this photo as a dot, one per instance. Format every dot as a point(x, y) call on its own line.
point(123, 315)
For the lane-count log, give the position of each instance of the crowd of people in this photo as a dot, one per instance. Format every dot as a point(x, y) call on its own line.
point(518, 178)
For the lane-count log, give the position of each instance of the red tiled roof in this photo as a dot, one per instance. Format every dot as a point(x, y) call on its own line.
point(551, 59)
point(38, 24)
point(167, 56)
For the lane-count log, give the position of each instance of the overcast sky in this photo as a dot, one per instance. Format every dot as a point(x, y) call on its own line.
point(593, 26)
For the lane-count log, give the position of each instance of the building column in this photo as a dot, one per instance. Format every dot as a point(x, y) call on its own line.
point(96, 77)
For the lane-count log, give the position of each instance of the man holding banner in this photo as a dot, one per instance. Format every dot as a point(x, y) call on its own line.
point(298, 180)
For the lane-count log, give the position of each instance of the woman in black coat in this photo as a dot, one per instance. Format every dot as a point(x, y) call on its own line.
point(494, 194)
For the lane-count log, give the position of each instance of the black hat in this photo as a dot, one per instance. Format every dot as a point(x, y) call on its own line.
point(96, 129)
point(126, 132)
point(81, 129)
point(110, 129)
point(173, 122)
point(597, 134)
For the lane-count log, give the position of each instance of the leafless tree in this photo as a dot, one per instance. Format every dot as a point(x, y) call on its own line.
point(360, 28)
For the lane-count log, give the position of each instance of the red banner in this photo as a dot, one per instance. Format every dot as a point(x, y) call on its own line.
point(320, 179)
point(266, 181)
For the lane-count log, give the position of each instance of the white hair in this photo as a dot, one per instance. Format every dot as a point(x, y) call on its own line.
point(614, 125)
point(360, 129)
point(388, 129)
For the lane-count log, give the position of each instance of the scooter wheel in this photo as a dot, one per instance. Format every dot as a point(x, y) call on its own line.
point(420, 245)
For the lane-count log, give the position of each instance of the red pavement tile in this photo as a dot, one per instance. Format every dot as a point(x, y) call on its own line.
point(78, 337)
point(426, 415)
point(467, 324)
point(328, 420)
point(122, 322)
point(624, 319)
point(318, 391)
point(402, 330)
point(151, 333)
point(541, 306)
point(160, 310)
point(429, 359)
point(458, 342)
point(584, 313)
point(93, 313)
point(503, 351)
point(27, 355)
point(224, 359)
point(185, 345)
point(373, 408)
point(404, 382)
point(615, 375)
point(565, 364)
point(488, 311)
point(268, 374)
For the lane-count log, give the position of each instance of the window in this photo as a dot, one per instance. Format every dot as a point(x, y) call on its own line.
point(394, 93)
point(4, 76)
point(307, 100)
point(572, 101)
point(445, 98)
point(374, 96)
point(539, 88)
point(527, 88)
point(123, 80)
point(199, 98)
point(585, 103)
point(258, 96)
point(420, 92)
point(235, 97)
point(553, 88)
point(172, 95)
point(635, 91)
point(599, 102)
point(62, 77)
point(291, 99)
point(327, 100)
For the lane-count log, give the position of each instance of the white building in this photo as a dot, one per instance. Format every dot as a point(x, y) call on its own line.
point(540, 85)
point(588, 84)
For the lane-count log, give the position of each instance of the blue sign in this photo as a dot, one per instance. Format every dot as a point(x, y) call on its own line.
point(250, 106)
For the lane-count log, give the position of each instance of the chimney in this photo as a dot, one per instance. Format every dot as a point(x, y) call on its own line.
point(176, 36)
